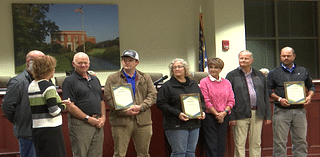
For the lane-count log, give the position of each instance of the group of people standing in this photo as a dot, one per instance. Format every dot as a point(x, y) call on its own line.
point(34, 107)
point(241, 100)
point(250, 108)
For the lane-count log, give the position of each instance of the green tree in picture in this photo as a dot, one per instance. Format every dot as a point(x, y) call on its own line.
point(30, 28)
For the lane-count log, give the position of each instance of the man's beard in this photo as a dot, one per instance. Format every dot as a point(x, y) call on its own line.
point(29, 68)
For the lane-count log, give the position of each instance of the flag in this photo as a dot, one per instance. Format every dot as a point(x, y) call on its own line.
point(78, 10)
point(202, 47)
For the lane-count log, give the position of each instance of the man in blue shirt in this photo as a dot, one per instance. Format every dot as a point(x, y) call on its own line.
point(287, 116)
point(135, 121)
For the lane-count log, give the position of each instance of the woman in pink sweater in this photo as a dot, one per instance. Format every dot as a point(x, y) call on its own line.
point(219, 99)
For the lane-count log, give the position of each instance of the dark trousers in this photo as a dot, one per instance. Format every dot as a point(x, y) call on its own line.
point(49, 142)
point(215, 135)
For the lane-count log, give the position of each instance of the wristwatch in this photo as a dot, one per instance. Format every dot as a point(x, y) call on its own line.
point(142, 109)
point(86, 119)
point(226, 111)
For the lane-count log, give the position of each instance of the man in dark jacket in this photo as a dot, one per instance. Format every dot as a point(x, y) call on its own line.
point(252, 105)
point(287, 116)
point(17, 109)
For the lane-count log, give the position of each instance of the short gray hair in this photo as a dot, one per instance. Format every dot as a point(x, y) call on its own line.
point(185, 65)
point(78, 54)
point(247, 51)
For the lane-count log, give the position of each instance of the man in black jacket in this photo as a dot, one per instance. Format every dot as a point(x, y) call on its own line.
point(286, 116)
point(16, 106)
point(252, 105)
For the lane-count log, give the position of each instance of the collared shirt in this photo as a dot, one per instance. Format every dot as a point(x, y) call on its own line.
point(217, 94)
point(281, 75)
point(252, 91)
point(242, 110)
point(85, 93)
point(214, 79)
point(131, 80)
point(286, 68)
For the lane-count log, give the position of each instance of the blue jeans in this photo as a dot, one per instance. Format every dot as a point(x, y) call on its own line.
point(26, 148)
point(183, 142)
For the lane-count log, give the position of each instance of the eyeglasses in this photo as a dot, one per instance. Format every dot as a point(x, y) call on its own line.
point(177, 67)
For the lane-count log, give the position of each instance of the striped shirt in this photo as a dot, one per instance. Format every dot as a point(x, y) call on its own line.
point(46, 106)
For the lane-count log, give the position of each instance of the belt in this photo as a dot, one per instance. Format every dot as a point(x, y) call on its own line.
point(254, 107)
point(95, 116)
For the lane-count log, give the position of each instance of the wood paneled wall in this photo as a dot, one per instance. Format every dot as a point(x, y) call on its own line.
point(159, 147)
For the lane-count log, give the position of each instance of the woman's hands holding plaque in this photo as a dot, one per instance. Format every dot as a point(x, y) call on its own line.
point(183, 117)
point(203, 116)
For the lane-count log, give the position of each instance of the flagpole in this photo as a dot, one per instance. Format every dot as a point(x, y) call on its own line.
point(84, 40)
point(202, 46)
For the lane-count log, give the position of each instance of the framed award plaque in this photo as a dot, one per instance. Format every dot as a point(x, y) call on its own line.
point(191, 105)
point(295, 92)
point(122, 96)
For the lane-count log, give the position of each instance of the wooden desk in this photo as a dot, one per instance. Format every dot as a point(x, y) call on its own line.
point(8, 153)
point(159, 147)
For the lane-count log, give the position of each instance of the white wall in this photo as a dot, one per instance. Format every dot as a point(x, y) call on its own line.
point(159, 30)
point(225, 21)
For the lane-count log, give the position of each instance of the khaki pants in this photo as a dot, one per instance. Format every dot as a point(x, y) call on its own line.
point(141, 136)
point(240, 132)
point(86, 140)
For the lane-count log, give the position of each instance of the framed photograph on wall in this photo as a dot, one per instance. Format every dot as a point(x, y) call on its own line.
point(61, 30)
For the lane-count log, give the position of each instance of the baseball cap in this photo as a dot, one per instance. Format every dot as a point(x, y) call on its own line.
point(131, 53)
